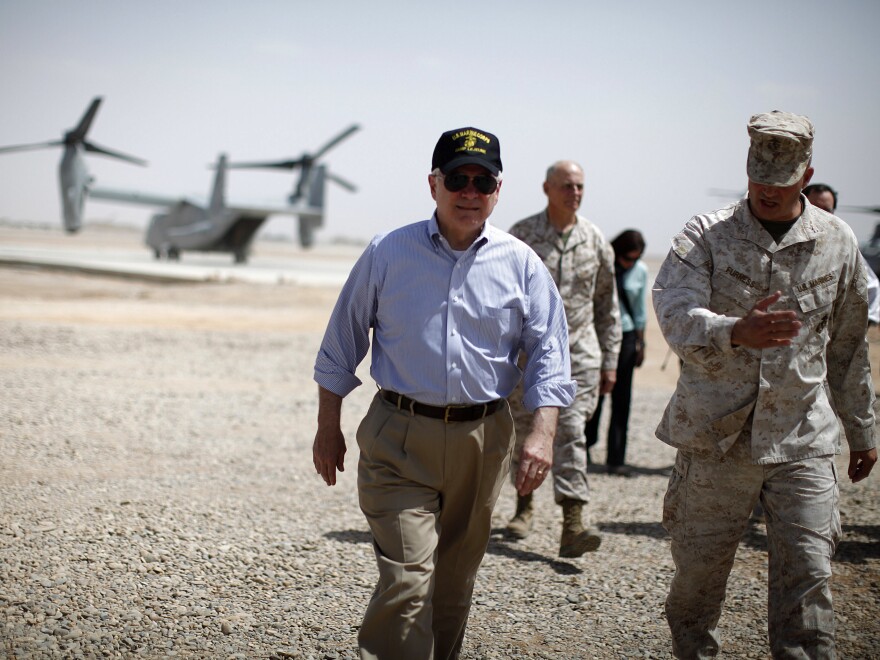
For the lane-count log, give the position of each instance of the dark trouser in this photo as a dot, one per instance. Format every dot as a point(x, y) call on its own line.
point(621, 397)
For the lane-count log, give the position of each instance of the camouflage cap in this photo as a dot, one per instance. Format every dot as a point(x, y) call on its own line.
point(781, 149)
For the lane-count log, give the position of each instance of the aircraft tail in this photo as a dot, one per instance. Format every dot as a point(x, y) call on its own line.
point(218, 192)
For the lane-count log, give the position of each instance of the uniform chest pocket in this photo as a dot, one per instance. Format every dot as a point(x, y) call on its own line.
point(813, 300)
point(500, 328)
point(816, 305)
point(584, 273)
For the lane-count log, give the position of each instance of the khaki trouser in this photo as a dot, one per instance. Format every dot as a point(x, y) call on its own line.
point(427, 489)
point(706, 511)
point(570, 442)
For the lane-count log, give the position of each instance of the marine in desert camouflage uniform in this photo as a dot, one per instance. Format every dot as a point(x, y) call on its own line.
point(765, 302)
point(582, 265)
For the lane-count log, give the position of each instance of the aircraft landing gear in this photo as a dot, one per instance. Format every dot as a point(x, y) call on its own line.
point(168, 252)
point(240, 256)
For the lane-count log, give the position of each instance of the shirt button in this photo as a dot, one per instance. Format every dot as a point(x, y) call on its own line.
point(453, 332)
point(454, 365)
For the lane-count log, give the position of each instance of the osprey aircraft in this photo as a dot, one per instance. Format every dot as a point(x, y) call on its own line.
point(186, 225)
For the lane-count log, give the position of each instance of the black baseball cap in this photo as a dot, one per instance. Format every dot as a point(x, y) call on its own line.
point(467, 146)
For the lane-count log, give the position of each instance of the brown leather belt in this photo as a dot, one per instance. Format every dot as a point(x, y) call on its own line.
point(446, 413)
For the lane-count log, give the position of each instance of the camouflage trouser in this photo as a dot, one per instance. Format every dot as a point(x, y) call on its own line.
point(570, 443)
point(706, 511)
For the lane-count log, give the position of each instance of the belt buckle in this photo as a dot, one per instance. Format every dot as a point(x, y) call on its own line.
point(448, 408)
point(446, 412)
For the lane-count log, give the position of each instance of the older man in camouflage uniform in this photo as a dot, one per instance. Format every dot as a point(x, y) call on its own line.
point(765, 302)
point(582, 265)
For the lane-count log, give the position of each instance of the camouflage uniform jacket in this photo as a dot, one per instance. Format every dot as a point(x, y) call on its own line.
point(583, 269)
point(719, 266)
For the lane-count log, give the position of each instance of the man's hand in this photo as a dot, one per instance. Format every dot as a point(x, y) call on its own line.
point(607, 379)
point(762, 329)
point(861, 463)
point(328, 450)
point(536, 457)
point(328, 453)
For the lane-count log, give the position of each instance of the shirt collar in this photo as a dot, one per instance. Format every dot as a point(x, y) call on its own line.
point(434, 234)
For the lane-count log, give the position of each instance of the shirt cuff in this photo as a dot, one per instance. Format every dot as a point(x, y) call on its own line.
point(860, 439)
point(340, 383)
point(720, 333)
point(609, 361)
point(555, 394)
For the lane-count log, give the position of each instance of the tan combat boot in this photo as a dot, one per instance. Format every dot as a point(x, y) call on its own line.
point(575, 539)
point(521, 523)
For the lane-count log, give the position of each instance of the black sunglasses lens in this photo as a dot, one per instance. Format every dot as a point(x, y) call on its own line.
point(457, 182)
point(485, 184)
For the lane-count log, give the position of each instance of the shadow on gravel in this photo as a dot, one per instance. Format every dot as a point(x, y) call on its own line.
point(652, 530)
point(351, 536)
point(859, 543)
point(756, 535)
point(500, 544)
point(858, 551)
point(634, 471)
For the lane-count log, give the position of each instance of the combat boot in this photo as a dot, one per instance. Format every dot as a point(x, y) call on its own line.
point(575, 539)
point(521, 523)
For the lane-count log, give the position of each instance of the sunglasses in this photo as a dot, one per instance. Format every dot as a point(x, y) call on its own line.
point(456, 182)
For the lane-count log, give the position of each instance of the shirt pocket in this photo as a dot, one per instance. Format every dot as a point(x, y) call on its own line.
point(500, 328)
point(816, 307)
point(584, 274)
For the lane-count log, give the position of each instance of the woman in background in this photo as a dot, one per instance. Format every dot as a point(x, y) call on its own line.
point(632, 285)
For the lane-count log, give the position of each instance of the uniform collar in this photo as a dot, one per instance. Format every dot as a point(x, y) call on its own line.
point(809, 226)
point(578, 232)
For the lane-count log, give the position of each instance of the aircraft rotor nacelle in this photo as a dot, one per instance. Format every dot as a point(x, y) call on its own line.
point(73, 180)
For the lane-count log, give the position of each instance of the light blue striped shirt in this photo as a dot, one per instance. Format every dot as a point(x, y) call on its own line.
point(445, 330)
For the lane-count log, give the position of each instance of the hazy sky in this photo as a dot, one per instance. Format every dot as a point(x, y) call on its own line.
point(652, 98)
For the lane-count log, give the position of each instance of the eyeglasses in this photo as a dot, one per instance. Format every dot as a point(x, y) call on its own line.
point(456, 182)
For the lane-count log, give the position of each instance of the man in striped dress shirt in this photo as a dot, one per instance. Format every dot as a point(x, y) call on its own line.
point(451, 301)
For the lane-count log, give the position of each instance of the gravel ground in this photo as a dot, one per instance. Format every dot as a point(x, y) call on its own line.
point(157, 498)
